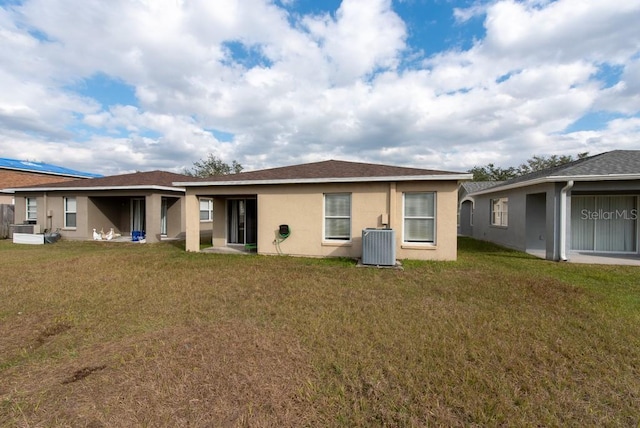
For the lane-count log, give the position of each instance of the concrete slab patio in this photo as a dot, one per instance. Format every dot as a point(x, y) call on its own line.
point(597, 258)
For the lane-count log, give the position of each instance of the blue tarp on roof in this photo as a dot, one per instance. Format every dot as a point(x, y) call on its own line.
point(43, 168)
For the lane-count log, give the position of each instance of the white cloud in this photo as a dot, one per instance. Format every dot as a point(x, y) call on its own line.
point(623, 97)
point(566, 30)
point(322, 86)
point(464, 14)
point(366, 35)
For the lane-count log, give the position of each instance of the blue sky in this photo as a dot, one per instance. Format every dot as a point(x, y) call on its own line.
point(120, 86)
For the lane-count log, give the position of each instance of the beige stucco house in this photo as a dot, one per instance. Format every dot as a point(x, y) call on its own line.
point(145, 202)
point(325, 206)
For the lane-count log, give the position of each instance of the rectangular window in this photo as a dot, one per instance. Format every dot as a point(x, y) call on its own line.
point(419, 217)
point(69, 212)
point(206, 209)
point(337, 216)
point(32, 209)
point(500, 212)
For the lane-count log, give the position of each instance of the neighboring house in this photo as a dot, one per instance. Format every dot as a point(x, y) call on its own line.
point(144, 201)
point(586, 206)
point(465, 205)
point(17, 173)
point(325, 206)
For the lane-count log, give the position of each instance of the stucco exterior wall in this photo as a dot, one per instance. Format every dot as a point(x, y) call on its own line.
point(301, 206)
point(20, 209)
point(101, 214)
point(516, 234)
point(175, 217)
point(512, 235)
point(20, 213)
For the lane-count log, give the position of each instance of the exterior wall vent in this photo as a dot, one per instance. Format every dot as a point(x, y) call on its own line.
point(379, 247)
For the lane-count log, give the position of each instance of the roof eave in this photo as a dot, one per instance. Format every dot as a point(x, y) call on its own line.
point(435, 177)
point(556, 179)
point(101, 188)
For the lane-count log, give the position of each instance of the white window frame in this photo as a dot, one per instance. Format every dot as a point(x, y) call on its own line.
point(31, 210)
point(208, 210)
point(326, 217)
point(499, 215)
point(69, 211)
point(425, 216)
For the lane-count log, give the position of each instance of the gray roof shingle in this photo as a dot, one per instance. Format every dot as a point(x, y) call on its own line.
point(616, 162)
point(474, 186)
point(609, 163)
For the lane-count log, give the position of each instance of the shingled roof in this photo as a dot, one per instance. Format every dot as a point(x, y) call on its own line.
point(617, 164)
point(326, 171)
point(474, 186)
point(137, 180)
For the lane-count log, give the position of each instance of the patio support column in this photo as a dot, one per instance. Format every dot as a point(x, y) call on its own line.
point(192, 217)
point(152, 217)
point(563, 220)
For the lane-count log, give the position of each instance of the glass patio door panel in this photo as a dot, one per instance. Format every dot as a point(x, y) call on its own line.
point(616, 231)
point(582, 227)
point(236, 211)
point(137, 214)
point(163, 216)
point(242, 221)
point(604, 223)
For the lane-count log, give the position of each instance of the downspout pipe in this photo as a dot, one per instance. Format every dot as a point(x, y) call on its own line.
point(563, 220)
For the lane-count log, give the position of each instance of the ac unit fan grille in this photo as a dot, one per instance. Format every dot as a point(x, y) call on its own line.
point(379, 247)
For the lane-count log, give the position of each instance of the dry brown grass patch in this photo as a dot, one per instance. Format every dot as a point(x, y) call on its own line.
point(102, 335)
point(230, 374)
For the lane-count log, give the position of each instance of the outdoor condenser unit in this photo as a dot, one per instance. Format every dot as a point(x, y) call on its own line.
point(23, 228)
point(379, 247)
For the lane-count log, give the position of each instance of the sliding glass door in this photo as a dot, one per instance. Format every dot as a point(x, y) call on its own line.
point(242, 221)
point(604, 223)
point(137, 214)
point(164, 208)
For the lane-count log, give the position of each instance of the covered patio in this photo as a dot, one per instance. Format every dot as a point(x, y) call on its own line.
point(595, 258)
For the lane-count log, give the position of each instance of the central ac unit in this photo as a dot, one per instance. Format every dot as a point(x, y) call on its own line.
point(379, 247)
point(22, 228)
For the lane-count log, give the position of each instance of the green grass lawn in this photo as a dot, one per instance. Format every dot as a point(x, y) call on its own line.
point(103, 334)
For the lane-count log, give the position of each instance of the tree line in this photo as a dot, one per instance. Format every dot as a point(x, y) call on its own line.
point(490, 172)
point(213, 165)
